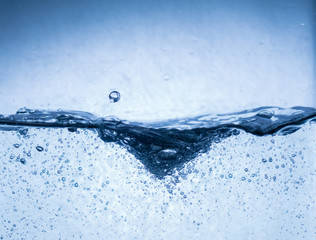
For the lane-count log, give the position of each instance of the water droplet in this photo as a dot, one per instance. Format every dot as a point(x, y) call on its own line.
point(230, 175)
point(76, 184)
point(114, 96)
point(246, 169)
point(264, 160)
point(63, 178)
point(39, 148)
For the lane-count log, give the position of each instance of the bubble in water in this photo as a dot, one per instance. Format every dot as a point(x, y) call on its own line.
point(23, 131)
point(16, 145)
point(22, 160)
point(39, 148)
point(22, 110)
point(114, 96)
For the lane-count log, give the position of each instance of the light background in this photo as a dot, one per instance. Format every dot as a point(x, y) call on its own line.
point(168, 59)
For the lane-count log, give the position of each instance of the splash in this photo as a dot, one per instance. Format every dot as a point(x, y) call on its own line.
point(164, 147)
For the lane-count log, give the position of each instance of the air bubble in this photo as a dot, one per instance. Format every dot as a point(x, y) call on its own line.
point(265, 114)
point(23, 131)
point(39, 148)
point(114, 96)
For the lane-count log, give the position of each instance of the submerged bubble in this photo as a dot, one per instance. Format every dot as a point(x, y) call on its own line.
point(114, 96)
point(16, 145)
point(23, 131)
point(39, 148)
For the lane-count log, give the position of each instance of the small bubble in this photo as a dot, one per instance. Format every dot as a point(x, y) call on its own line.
point(246, 169)
point(22, 110)
point(221, 175)
point(16, 145)
point(264, 160)
point(79, 168)
point(23, 131)
point(72, 129)
point(76, 184)
point(270, 159)
point(39, 148)
point(230, 175)
point(236, 132)
point(243, 179)
point(114, 96)
point(22, 160)
point(63, 179)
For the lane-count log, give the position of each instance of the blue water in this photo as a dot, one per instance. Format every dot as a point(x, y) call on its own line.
point(71, 175)
point(174, 135)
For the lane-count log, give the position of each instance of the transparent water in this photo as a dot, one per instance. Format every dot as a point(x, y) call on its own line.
point(247, 175)
point(153, 119)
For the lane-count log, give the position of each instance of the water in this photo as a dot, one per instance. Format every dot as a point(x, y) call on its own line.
point(167, 141)
point(72, 175)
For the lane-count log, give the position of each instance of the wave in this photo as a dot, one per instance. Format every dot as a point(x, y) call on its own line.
point(164, 147)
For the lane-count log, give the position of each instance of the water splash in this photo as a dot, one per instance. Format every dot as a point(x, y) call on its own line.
point(164, 147)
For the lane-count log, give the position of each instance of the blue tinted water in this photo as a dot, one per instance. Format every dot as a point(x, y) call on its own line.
point(247, 175)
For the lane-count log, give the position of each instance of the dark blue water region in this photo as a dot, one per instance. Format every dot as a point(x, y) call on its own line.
point(164, 147)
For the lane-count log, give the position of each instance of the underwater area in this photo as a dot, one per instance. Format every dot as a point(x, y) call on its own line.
point(157, 119)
